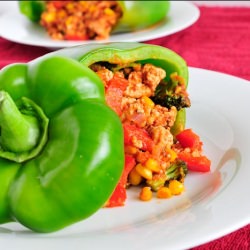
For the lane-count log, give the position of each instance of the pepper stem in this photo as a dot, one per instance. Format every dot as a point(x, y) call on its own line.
point(19, 132)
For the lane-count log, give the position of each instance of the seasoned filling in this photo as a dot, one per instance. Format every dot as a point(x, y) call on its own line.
point(80, 20)
point(150, 103)
point(131, 92)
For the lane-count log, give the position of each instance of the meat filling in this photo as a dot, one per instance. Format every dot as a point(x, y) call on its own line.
point(137, 84)
point(80, 20)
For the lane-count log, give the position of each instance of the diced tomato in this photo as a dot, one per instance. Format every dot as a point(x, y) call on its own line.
point(76, 37)
point(114, 93)
point(132, 131)
point(59, 4)
point(118, 83)
point(119, 195)
point(197, 164)
point(114, 99)
point(188, 139)
point(129, 165)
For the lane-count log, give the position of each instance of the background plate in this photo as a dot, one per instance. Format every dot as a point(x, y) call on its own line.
point(15, 27)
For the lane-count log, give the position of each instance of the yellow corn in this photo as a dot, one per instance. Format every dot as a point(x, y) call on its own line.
point(144, 172)
point(69, 21)
point(108, 11)
point(130, 150)
point(146, 194)
point(164, 193)
point(134, 177)
point(153, 165)
point(83, 3)
point(69, 6)
point(148, 101)
point(171, 154)
point(176, 187)
point(92, 8)
point(175, 77)
point(49, 17)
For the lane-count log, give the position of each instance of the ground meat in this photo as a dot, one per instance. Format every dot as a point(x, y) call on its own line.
point(137, 143)
point(152, 75)
point(80, 20)
point(106, 75)
point(138, 109)
point(144, 115)
point(134, 111)
point(136, 88)
point(145, 81)
point(162, 137)
point(161, 116)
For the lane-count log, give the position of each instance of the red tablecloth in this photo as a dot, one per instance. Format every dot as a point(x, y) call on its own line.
point(219, 40)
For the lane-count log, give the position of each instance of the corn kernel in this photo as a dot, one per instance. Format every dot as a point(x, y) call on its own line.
point(146, 194)
point(83, 3)
point(172, 155)
point(109, 12)
point(49, 17)
point(148, 101)
point(153, 165)
point(144, 172)
point(69, 21)
point(175, 77)
point(92, 8)
point(69, 6)
point(134, 177)
point(176, 187)
point(164, 193)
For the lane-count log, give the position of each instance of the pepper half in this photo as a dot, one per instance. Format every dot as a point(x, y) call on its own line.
point(122, 55)
point(61, 153)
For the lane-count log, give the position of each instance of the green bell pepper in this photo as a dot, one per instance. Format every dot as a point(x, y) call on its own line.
point(123, 54)
point(136, 14)
point(61, 146)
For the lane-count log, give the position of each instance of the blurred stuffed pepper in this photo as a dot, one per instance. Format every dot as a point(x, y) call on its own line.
point(93, 20)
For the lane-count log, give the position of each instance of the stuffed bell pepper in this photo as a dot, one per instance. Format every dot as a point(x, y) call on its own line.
point(93, 20)
point(146, 85)
point(61, 146)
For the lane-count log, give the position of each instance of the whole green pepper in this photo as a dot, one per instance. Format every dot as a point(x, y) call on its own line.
point(61, 146)
point(136, 15)
point(123, 54)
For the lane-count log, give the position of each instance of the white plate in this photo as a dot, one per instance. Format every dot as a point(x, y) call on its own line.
point(15, 27)
point(214, 204)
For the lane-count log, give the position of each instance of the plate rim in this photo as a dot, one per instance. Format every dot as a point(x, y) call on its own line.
point(214, 235)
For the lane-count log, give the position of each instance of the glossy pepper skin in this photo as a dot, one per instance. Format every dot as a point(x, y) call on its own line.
point(123, 54)
point(79, 155)
point(150, 13)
